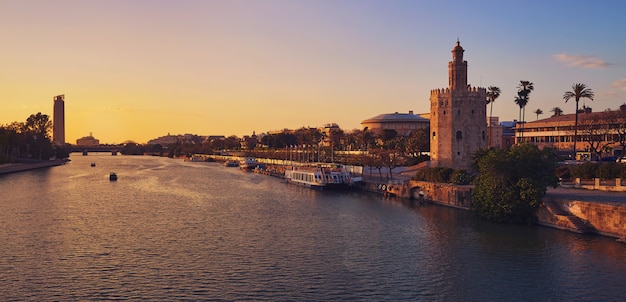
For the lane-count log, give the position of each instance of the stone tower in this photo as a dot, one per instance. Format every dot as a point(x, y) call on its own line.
point(58, 120)
point(458, 118)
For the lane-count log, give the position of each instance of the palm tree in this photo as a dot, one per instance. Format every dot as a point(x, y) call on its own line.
point(523, 89)
point(557, 111)
point(578, 92)
point(521, 102)
point(493, 93)
point(538, 112)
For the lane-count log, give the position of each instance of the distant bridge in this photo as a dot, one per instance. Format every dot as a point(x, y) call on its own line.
point(97, 148)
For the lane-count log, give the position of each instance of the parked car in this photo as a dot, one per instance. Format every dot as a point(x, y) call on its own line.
point(621, 160)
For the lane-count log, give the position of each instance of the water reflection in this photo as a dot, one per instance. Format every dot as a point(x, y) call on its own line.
point(169, 230)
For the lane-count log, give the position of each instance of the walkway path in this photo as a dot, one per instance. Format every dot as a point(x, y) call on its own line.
point(588, 195)
point(12, 168)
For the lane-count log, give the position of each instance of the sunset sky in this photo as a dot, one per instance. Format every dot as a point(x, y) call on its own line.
point(137, 70)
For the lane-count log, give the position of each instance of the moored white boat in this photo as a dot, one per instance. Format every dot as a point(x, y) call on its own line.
point(248, 163)
point(320, 176)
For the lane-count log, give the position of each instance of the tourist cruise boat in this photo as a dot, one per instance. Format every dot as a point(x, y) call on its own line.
point(248, 163)
point(320, 176)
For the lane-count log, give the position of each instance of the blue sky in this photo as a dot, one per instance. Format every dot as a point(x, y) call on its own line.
point(141, 69)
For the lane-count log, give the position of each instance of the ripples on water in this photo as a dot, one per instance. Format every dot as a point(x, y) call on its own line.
point(170, 230)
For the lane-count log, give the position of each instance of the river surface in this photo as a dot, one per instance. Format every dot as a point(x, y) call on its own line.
point(173, 230)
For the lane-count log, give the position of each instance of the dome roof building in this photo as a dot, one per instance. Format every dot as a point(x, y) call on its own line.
point(403, 123)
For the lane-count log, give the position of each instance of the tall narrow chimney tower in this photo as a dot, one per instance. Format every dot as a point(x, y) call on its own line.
point(58, 120)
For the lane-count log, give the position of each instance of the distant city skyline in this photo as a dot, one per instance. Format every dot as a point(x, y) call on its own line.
point(137, 70)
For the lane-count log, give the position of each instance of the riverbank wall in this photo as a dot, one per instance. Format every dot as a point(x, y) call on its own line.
point(439, 193)
point(565, 209)
point(19, 167)
point(444, 194)
point(607, 219)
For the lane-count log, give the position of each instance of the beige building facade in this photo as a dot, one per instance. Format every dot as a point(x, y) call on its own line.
point(600, 133)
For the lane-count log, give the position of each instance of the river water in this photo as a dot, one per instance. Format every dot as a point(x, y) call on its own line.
point(173, 230)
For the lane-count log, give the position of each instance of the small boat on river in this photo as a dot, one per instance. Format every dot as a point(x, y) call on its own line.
point(112, 176)
point(320, 176)
point(231, 163)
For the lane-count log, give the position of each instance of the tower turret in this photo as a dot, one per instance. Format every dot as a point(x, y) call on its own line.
point(457, 68)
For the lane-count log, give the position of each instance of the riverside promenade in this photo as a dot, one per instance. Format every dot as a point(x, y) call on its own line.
point(18, 167)
point(597, 196)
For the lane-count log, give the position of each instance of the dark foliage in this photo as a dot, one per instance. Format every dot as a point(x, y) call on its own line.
point(444, 175)
point(607, 170)
point(29, 140)
point(511, 183)
point(587, 170)
point(563, 172)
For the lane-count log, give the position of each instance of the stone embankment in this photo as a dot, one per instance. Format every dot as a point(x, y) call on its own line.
point(576, 210)
point(18, 167)
point(585, 211)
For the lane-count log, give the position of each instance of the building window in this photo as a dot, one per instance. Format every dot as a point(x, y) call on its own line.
point(434, 134)
point(459, 135)
point(483, 135)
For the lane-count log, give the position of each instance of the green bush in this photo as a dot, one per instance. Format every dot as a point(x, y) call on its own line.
point(444, 175)
point(608, 171)
point(436, 174)
point(511, 183)
point(587, 170)
point(563, 172)
point(622, 172)
point(460, 177)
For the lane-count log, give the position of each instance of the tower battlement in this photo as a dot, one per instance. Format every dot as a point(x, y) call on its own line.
point(471, 90)
point(436, 92)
